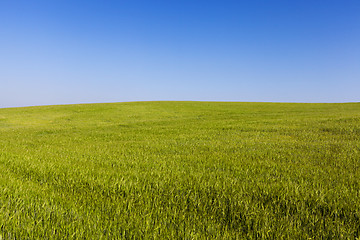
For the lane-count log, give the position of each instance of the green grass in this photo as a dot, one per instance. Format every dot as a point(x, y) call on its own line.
point(180, 170)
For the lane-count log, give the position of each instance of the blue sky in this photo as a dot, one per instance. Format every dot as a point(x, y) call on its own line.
point(62, 51)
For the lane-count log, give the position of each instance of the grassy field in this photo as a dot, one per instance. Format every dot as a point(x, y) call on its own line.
point(180, 170)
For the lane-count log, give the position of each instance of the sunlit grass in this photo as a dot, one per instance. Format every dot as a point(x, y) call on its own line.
point(191, 170)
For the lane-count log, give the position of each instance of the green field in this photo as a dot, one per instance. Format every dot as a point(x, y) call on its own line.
point(180, 170)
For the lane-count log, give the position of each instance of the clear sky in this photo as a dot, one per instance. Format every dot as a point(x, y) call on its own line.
point(68, 51)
